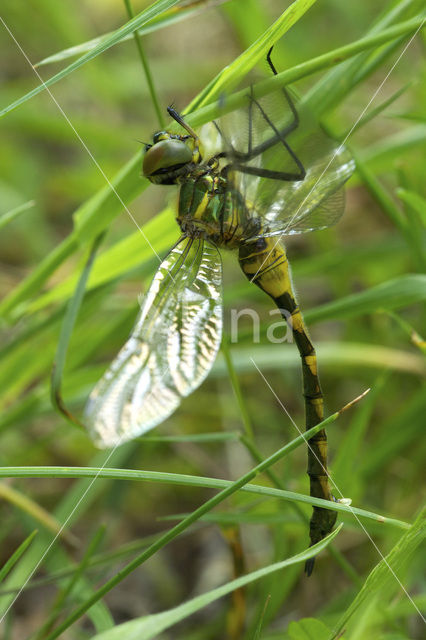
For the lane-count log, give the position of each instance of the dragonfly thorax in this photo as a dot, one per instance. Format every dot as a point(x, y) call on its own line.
point(209, 207)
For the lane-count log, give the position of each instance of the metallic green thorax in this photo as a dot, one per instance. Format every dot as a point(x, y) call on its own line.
point(210, 208)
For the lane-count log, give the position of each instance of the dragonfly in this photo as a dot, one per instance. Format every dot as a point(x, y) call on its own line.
point(262, 175)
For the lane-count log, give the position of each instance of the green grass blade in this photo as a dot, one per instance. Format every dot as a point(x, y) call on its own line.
point(129, 253)
point(393, 294)
point(406, 427)
point(198, 481)
point(414, 200)
point(146, 68)
point(340, 81)
point(30, 285)
point(382, 155)
point(249, 19)
point(90, 219)
point(373, 113)
point(132, 25)
point(345, 466)
point(165, 19)
point(238, 69)
point(385, 574)
point(330, 354)
point(7, 217)
point(258, 629)
point(415, 211)
point(66, 333)
point(414, 336)
point(391, 209)
point(42, 550)
point(65, 593)
point(308, 629)
point(8, 565)
point(330, 59)
point(149, 627)
point(35, 511)
point(239, 397)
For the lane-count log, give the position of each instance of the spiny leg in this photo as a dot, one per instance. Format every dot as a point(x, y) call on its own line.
point(286, 93)
point(265, 263)
point(240, 158)
point(178, 118)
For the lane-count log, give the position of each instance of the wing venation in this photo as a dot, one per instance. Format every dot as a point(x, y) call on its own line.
point(264, 138)
point(170, 351)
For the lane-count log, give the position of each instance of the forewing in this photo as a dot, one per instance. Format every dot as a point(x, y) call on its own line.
point(170, 351)
point(255, 138)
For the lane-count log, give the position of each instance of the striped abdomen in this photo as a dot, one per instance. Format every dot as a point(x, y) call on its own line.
point(265, 263)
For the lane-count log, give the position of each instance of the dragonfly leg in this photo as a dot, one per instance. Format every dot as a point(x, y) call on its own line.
point(176, 116)
point(286, 93)
point(283, 133)
point(265, 263)
point(239, 158)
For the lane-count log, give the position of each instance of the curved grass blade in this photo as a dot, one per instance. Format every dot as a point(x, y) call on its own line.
point(238, 69)
point(382, 154)
point(14, 213)
point(384, 577)
point(415, 201)
point(16, 555)
point(65, 336)
point(132, 25)
point(406, 426)
point(330, 59)
point(341, 80)
point(167, 18)
point(129, 253)
point(332, 354)
point(393, 294)
point(149, 627)
point(66, 591)
point(64, 511)
point(29, 506)
point(372, 113)
point(391, 209)
point(416, 339)
point(146, 68)
point(199, 481)
point(90, 219)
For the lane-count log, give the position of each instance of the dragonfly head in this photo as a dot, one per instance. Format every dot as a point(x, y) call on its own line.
point(168, 157)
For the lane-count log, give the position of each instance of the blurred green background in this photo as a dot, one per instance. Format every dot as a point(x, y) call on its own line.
point(359, 284)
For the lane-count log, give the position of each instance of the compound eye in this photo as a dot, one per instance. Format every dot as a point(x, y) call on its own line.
point(165, 154)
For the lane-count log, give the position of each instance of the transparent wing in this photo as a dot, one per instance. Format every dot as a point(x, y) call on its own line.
point(170, 351)
point(264, 148)
point(317, 201)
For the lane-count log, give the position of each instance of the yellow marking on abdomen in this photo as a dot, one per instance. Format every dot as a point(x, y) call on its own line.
point(311, 361)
